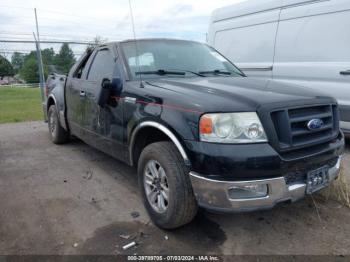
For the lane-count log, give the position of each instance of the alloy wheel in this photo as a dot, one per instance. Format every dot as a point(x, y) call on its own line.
point(156, 186)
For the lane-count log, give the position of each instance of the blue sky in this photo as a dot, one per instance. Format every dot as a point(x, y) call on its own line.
point(83, 20)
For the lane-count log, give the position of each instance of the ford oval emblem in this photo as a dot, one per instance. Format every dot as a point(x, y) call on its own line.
point(315, 124)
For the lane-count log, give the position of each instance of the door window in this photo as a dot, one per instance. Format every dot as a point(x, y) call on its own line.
point(102, 66)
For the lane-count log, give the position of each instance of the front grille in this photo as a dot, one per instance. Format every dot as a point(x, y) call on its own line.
point(291, 126)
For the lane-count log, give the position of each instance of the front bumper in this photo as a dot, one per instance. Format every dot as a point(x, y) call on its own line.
point(214, 194)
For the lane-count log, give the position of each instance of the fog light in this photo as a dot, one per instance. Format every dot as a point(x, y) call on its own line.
point(248, 191)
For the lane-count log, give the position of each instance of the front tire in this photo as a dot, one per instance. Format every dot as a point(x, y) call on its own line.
point(165, 186)
point(58, 134)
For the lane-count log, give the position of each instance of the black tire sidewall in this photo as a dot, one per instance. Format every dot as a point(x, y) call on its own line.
point(175, 175)
point(60, 135)
point(53, 114)
point(162, 217)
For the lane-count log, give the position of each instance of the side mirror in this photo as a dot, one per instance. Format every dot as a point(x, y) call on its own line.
point(117, 86)
point(105, 92)
point(109, 88)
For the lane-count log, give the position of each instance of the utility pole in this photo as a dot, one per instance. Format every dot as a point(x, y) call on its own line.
point(40, 60)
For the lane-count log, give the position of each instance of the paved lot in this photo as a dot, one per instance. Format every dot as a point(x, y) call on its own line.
point(72, 199)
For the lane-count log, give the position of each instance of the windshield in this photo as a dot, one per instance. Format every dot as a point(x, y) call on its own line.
point(174, 58)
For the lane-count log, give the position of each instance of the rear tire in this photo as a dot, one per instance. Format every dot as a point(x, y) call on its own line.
point(169, 200)
point(57, 133)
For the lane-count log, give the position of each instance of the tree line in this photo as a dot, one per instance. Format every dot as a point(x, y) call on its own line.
point(26, 65)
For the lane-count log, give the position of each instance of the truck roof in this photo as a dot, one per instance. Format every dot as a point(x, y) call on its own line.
point(143, 39)
point(252, 7)
point(148, 39)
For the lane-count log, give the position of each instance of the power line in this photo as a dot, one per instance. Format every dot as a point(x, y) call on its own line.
point(28, 52)
point(52, 37)
point(25, 50)
point(48, 42)
point(45, 38)
point(14, 33)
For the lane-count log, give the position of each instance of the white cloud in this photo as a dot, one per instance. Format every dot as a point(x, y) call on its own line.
point(82, 20)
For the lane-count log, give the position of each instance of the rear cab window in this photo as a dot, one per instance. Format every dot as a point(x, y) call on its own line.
point(82, 68)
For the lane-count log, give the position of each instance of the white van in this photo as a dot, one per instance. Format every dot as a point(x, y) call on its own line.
point(298, 41)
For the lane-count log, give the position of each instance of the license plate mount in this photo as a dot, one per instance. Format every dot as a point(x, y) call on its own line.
point(317, 179)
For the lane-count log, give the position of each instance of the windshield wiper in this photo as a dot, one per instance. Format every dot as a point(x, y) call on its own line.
point(215, 72)
point(192, 72)
point(160, 72)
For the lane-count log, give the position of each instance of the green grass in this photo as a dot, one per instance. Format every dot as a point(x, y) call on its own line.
point(20, 104)
point(339, 190)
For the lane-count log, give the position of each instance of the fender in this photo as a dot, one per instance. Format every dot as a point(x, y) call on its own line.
point(61, 117)
point(162, 128)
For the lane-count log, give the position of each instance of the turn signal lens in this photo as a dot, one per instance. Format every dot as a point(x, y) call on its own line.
point(206, 125)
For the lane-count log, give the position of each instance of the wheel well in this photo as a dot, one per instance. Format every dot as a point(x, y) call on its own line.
point(144, 137)
point(50, 102)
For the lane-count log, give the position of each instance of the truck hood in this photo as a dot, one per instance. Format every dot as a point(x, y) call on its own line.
point(220, 94)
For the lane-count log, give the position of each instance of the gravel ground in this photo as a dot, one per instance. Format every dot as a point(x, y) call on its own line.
point(73, 199)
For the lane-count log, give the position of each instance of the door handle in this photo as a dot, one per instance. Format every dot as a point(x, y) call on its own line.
point(82, 94)
point(347, 72)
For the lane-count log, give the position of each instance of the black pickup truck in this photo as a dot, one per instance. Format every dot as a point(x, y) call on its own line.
point(200, 132)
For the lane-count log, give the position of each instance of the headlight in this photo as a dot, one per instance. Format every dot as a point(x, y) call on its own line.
point(231, 128)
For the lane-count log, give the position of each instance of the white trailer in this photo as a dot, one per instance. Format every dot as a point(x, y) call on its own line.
point(299, 41)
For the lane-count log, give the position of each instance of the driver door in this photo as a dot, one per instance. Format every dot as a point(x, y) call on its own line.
point(103, 126)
